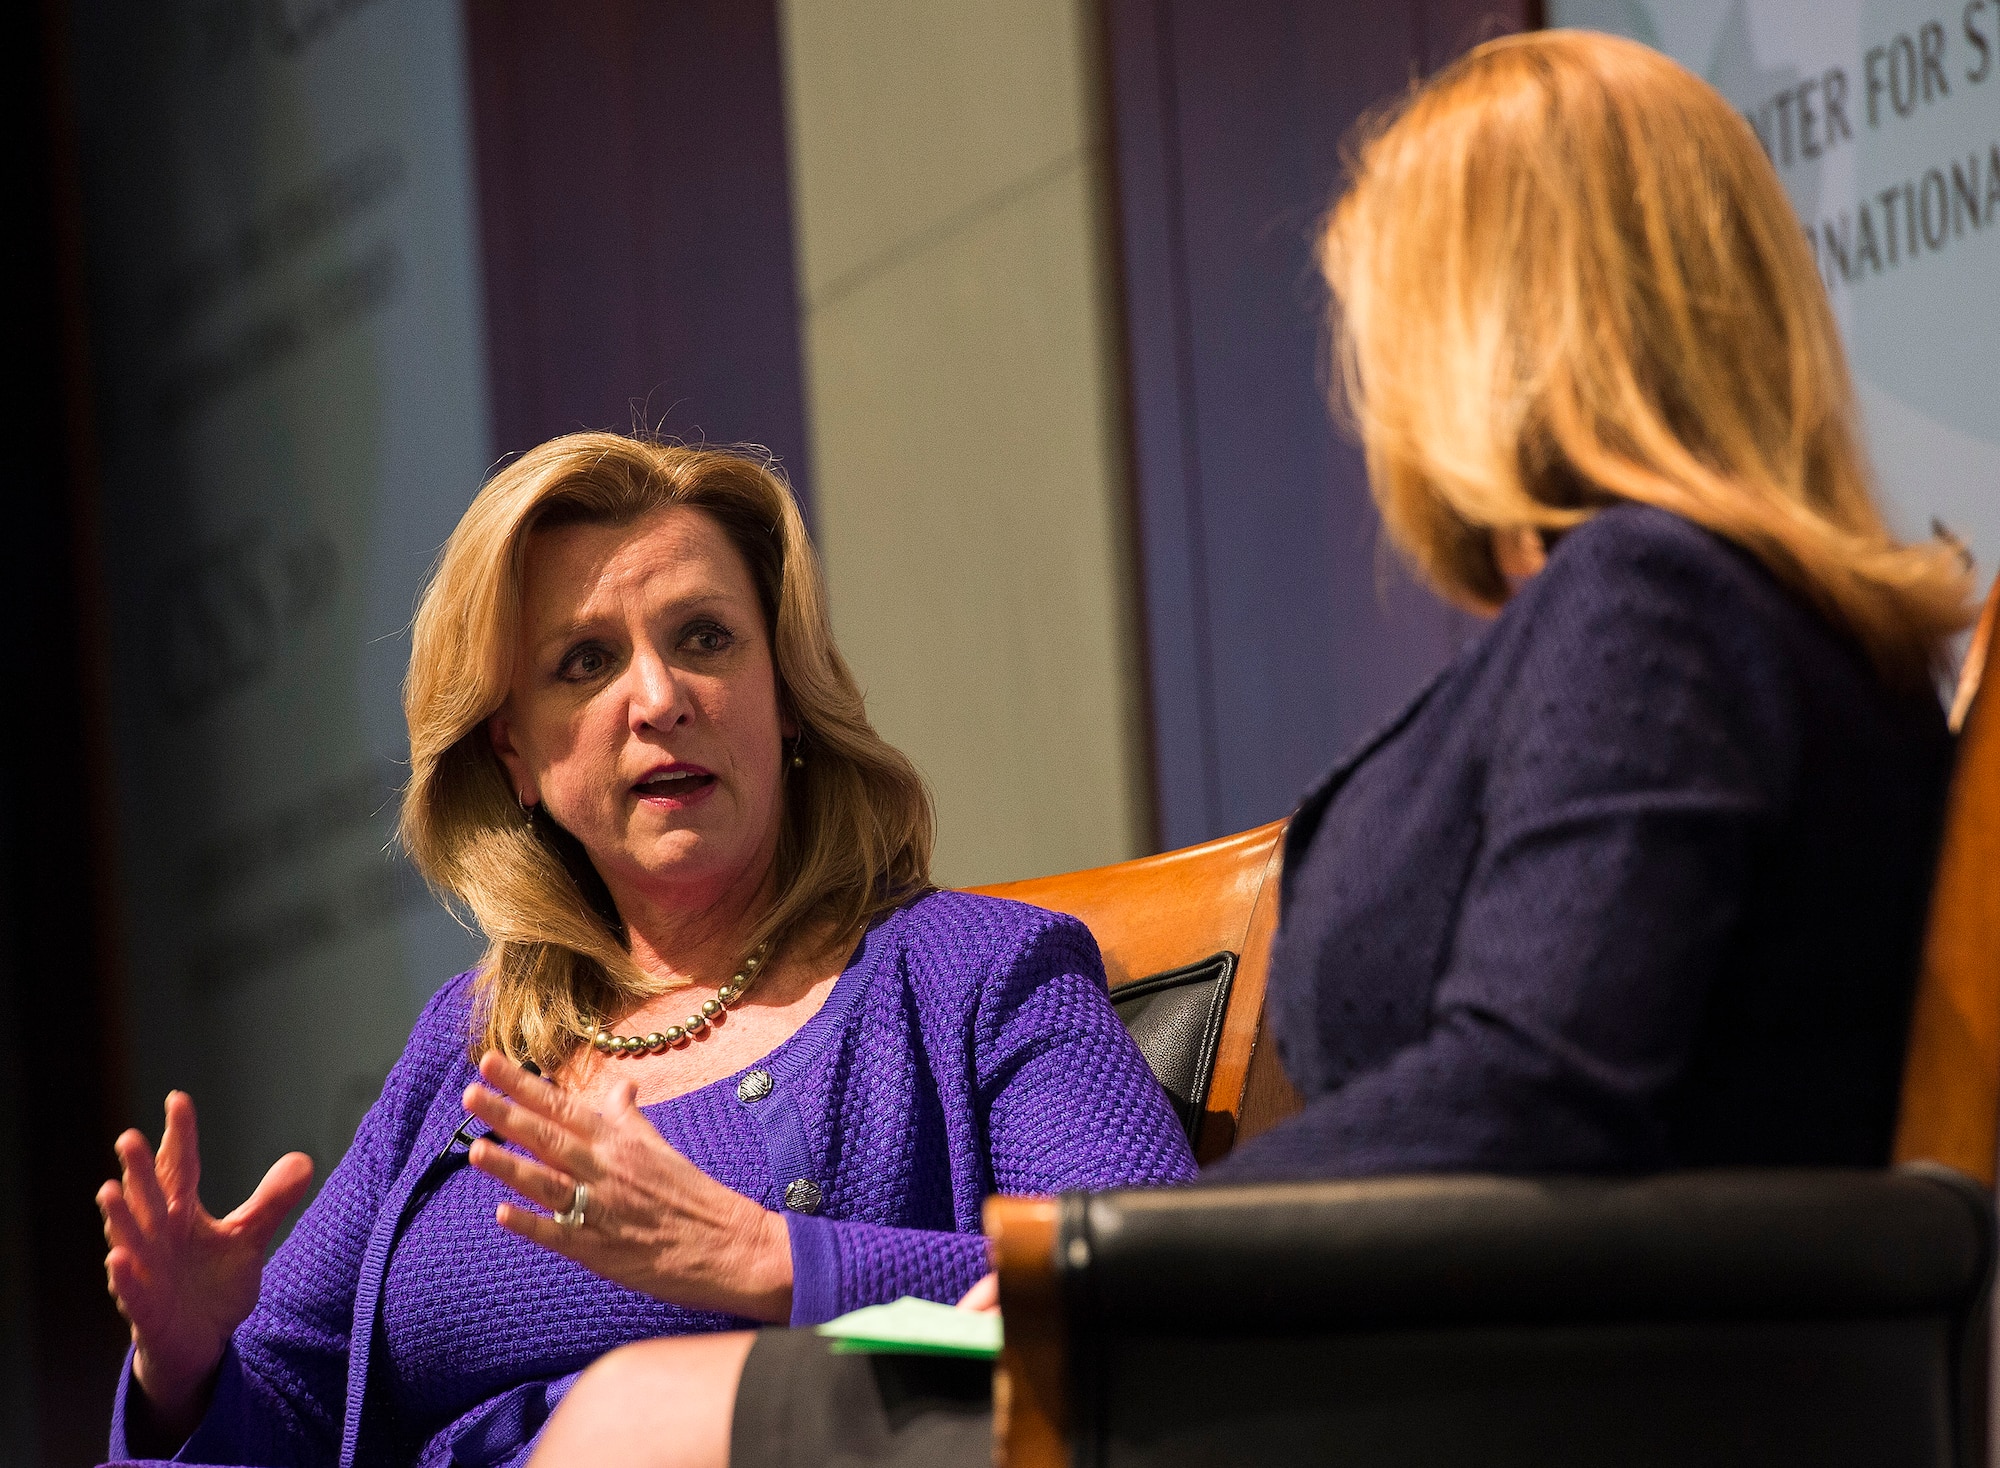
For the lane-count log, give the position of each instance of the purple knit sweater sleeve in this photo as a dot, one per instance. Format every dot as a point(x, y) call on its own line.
point(1059, 1095)
point(281, 1389)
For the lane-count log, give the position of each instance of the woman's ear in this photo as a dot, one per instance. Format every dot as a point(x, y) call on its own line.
point(1519, 553)
point(500, 734)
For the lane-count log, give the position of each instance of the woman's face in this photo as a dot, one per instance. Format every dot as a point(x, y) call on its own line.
point(643, 712)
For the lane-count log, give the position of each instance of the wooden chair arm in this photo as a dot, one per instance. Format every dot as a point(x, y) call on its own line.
point(1030, 1400)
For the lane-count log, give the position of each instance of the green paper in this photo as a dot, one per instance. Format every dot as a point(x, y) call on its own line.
point(913, 1327)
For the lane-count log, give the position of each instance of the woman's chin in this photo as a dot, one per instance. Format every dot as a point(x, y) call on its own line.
point(687, 866)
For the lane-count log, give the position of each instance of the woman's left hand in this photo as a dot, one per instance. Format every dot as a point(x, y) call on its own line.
point(652, 1221)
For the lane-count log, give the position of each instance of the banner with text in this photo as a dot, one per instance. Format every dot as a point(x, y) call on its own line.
point(1883, 118)
point(291, 408)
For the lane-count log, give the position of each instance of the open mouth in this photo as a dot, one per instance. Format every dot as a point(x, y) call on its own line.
point(675, 784)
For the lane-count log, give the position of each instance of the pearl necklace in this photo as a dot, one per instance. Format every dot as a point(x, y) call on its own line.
point(726, 997)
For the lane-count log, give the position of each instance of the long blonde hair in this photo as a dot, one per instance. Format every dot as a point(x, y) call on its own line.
point(856, 827)
point(1565, 274)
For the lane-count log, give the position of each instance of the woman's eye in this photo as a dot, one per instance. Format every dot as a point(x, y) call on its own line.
point(584, 663)
point(708, 638)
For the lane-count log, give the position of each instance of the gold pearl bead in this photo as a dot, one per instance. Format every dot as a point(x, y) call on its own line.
point(656, 1041)
point(633, 1044)
point(601, 1040)
point(750, 963)
point(710, 1008)
point(696, 1023)
point(675, 1034)
point(727, 994)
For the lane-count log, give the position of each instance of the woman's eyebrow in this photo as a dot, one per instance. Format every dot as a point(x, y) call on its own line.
point(566, 633)
point(708, 598)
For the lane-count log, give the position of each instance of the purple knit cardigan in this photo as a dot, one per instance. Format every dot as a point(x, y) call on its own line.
point(968, 1048)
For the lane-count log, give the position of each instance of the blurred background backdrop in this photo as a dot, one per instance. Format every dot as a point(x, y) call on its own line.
point(1020, 295)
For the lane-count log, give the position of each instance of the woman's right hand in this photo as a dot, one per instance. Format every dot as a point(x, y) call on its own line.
point(185, 1279)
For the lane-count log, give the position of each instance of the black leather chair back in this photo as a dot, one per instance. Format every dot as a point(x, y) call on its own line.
point(1176, 1018)
point(1713, 1319)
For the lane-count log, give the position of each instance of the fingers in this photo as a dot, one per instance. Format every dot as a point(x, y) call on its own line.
point(135, 1291)
point(984, 1296)
point(121, 1229)
point(552, 1143)
point(548, 1130)
point(278, 1194)
point(179, 1162)
point(141, 1182)
point(536, 1228)
point(538, 1184)
point(537, 1093)
point(124, 1280)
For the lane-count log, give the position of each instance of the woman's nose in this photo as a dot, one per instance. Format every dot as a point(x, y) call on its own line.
point(657, 698)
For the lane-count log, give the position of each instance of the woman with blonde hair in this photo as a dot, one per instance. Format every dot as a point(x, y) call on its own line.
point(729, 1057)
point(1638, 881)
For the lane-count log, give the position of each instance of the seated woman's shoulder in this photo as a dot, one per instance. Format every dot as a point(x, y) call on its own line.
point(1642, 602)
point(1639, 544)
point(982, 935)
point(1636, 570)
point(440, 1033)
point(451, 1004)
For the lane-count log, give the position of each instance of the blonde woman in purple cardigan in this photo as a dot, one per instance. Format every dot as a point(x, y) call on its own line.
point(728, 1059)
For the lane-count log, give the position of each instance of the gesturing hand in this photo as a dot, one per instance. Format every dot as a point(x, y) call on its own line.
point(653, 1221)
point(184, 1279)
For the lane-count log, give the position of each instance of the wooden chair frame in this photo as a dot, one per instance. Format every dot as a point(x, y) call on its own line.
point(1164, 912)
point(1951, 1080)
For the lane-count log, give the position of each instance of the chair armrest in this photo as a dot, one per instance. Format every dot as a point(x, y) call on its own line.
point(1030, 1392)
point(1735, 1244)
point(1084, 1272)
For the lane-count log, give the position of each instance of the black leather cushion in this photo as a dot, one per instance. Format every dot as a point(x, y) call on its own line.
point(1728, 1243)
point(1835, 1394)
point(1176, 1018)
point(1715, 1318)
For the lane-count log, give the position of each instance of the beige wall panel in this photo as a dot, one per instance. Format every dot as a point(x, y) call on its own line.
point(905, 114)
point(969, 482)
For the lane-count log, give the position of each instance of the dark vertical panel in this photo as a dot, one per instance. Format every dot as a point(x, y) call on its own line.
point(1279, 630)
point(635, 214)
point(1166, 450)
point(58, 1034)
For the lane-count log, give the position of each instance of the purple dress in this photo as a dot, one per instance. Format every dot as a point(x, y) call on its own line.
point(968, 1048)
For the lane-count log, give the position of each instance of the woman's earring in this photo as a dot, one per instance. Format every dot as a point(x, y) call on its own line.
point(798, 762)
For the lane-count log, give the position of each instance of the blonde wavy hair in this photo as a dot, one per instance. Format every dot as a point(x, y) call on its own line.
point(857, 819)
point(1565, 274)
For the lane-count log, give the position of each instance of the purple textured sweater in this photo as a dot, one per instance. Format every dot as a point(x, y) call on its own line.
point(968, 1048)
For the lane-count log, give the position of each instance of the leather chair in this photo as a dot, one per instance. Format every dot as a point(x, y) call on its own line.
point(1186, 938)
point(1830, 1317)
